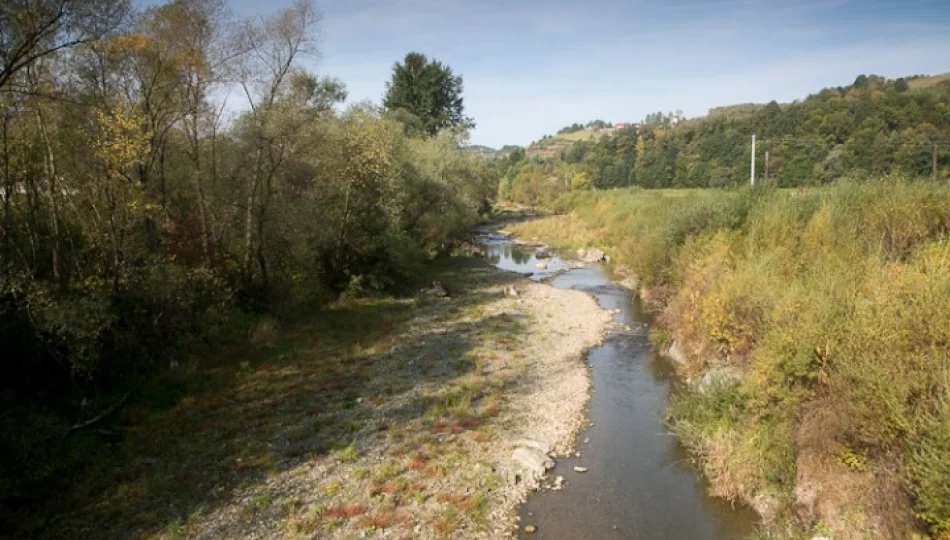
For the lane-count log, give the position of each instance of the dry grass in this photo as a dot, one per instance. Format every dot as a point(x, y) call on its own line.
point(457, 500)
point(561, 230)
point(346, 511)
point(384, 519)
point(927, 82)
point(841, 292)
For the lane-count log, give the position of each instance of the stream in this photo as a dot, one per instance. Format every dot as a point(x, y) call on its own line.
point(639, 483)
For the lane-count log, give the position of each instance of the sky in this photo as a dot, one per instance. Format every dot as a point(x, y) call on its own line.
point(531, 67)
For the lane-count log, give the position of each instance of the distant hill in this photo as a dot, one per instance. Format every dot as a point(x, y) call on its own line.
point(872, 127)
point(551, 146)
point(556, 146)
point(489, 152)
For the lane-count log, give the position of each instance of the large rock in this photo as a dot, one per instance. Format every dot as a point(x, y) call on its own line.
point(720, 376)
point(766, 505)
point(806, 499)
point(591, 255)
point(543, 447)
point(677, 354)
point(541, 266)
point(543, 252)
point(631, 283)
point(533, 460)
point(439, 289)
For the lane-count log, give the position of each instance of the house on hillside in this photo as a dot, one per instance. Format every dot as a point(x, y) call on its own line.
point(621, 125)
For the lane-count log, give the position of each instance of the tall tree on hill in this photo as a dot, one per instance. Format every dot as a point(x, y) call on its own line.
point(429, 91)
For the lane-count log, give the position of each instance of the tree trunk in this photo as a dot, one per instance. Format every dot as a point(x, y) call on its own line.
point(341, 235)
point(202, 204)
point(249, 214)
point(166, 227)
point(49, 165)
point(8, 185)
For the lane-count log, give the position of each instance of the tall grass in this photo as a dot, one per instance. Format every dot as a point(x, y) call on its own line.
point(835, 304)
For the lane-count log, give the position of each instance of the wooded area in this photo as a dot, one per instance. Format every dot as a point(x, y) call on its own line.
point(874, 127)
point(171, 174)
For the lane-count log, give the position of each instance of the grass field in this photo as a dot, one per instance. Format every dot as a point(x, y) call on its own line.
point(547, 148)
point(927, 82)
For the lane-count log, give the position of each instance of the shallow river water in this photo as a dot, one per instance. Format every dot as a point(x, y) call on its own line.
point(639, 484)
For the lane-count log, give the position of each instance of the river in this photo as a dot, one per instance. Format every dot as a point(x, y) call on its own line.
point(639, 484)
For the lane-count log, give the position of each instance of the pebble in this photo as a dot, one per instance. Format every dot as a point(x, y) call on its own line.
point(580, 469)
point(530, 529)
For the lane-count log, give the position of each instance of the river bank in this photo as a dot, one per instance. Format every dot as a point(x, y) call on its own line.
point(628, 477)
point(810, 330)
point(386, 416)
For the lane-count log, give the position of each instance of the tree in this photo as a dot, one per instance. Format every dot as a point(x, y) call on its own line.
point(34, 29)
point(274, 46)
point(139, 213)
point(429, 91)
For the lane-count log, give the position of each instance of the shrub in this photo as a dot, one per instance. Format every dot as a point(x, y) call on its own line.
point(837, 297)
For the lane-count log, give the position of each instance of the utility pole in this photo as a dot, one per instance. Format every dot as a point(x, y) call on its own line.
point(752, 167)
point(766, 166)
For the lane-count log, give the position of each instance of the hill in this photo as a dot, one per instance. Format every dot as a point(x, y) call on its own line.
point(875, 126)
point(489, 152)
point(551, 146)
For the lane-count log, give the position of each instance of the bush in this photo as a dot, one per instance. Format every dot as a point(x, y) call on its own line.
point(838, 296)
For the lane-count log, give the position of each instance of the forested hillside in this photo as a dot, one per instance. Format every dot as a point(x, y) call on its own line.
point(170, 175)
point(872, 127)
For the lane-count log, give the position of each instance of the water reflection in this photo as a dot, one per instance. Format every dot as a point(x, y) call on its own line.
point(521, 258)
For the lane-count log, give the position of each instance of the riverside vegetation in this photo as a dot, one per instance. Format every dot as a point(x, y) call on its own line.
point(210, 322)
point(147, 233)
point(828, 310)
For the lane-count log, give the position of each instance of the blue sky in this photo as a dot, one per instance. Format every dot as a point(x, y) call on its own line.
point(533, 66)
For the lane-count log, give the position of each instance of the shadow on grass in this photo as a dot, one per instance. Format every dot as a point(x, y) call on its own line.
point(197, 439)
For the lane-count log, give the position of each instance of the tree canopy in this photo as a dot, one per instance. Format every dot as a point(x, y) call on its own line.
point(429, 91)
point(139, 217)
